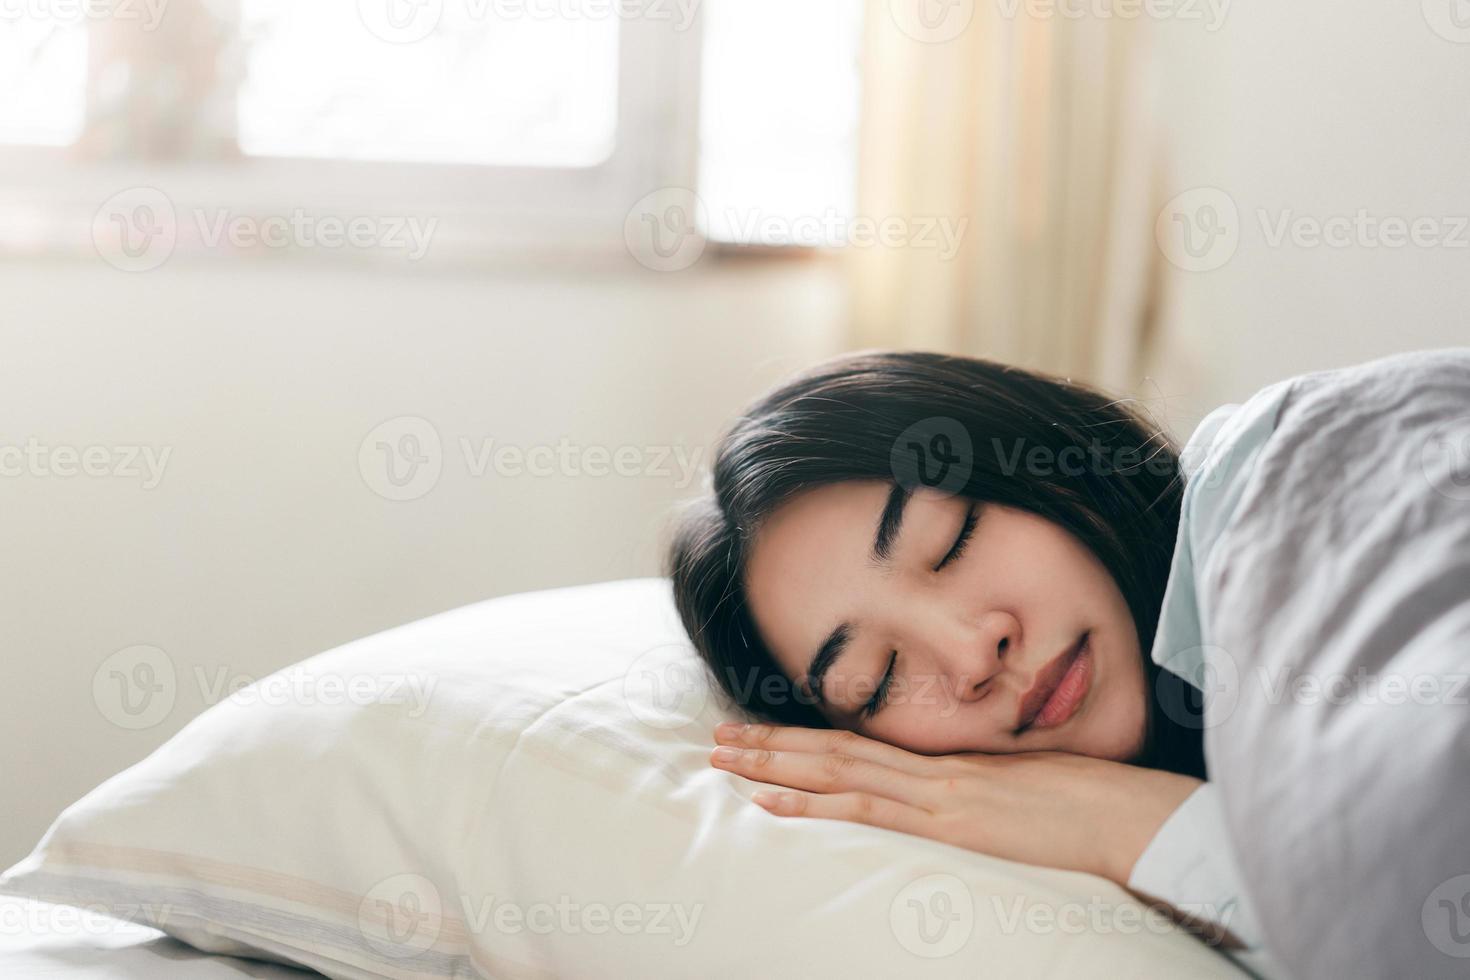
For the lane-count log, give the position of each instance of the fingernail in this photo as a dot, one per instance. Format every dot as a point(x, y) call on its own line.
point(768, 799)
point(725, 754)
point(729, 729)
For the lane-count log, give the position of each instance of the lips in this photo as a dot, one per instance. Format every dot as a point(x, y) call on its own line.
point(1058, 690)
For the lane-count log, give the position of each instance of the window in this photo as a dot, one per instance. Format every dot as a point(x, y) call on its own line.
point(779, 117)
point(43, 73)
point(484, 87)
point(516, 123)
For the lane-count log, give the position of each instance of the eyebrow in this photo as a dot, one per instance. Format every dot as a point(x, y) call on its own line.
point(836, 642)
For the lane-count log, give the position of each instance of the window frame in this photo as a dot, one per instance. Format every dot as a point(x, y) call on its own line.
point(484, 210)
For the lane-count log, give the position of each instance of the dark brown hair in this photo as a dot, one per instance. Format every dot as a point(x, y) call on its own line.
point(1090, 463)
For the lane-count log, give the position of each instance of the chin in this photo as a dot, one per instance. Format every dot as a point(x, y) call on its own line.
point(1119, 740)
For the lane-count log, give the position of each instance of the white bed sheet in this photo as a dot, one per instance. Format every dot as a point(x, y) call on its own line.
point(38, 939)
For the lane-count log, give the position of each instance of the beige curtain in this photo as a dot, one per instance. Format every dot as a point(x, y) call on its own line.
point(1035, 129)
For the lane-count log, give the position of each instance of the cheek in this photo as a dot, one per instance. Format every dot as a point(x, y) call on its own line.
point(933, 724)
point(1121, 726)
point(907, 724)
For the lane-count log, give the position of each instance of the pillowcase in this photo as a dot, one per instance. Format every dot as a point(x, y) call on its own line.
point(38, 939)
point(520, 788)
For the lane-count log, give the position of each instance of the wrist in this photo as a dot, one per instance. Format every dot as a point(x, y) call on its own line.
point(1141, 805)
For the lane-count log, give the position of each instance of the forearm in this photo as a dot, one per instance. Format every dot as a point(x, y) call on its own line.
point(1140, 802)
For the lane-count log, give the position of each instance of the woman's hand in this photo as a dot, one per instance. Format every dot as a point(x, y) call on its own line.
point(1048, 808)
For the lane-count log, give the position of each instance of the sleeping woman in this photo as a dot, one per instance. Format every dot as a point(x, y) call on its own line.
point(957, 600)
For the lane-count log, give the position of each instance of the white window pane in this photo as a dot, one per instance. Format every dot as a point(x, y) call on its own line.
point(778, 120)
point(479, 87)
point(43, 79)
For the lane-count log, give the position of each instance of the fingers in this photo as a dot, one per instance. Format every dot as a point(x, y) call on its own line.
point(819, 741)
point(822, 773)
point(875, 811)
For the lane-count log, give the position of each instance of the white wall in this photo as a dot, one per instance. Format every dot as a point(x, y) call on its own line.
point(263, 543)
point(1320, 109)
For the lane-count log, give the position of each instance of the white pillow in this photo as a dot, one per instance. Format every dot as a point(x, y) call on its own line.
point(520, 788)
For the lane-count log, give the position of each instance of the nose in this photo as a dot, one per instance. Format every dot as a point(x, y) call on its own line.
point(973, 651)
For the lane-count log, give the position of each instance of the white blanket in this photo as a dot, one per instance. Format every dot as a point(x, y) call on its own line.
point(1336, 598)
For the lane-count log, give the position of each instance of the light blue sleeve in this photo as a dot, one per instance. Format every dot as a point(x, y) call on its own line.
point(1188, 865)
point(1183, 866)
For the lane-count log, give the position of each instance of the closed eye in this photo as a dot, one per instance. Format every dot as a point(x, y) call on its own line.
point(871, 706)
point(972, 516)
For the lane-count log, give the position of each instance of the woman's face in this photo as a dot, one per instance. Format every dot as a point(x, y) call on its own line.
point(1011, 638)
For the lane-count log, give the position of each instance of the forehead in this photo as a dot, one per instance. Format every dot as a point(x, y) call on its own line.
point(810, 551)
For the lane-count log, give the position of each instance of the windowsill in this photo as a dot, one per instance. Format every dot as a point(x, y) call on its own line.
point(735, 253)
